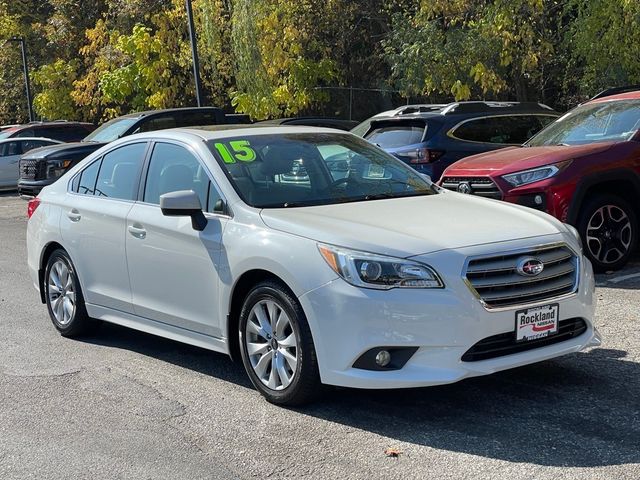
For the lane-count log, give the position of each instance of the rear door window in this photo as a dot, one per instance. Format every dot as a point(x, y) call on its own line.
point(88, 177)
point(118, 176)
point(396, 134)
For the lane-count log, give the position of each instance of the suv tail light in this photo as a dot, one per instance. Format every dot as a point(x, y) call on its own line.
point(32, 205)
point(423, 155)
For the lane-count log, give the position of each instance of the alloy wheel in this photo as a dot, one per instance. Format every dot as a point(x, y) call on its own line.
point(272, 344)
point(61, 292)
point(609, 234)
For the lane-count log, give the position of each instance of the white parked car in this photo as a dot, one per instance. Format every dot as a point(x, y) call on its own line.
point(376, 279)
point(11, 149)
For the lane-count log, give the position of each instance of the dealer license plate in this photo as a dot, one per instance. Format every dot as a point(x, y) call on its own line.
point(537, 322)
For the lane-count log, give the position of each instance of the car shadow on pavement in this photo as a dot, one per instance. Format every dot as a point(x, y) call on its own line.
point(582, 410)
point(193, 358)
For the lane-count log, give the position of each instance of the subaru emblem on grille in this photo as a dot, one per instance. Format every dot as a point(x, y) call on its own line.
point(529, 267)
point(464, 187)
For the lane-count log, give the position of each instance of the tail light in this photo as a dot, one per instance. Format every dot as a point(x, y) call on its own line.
point(423, 155)
point(32, 205)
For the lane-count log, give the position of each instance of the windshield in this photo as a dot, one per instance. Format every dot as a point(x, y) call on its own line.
point(110, 131)
point(595, 122)
point(304, 169)
point(7, 133)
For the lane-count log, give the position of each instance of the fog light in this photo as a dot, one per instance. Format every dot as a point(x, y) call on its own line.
point(383, 358)
point(538, 199)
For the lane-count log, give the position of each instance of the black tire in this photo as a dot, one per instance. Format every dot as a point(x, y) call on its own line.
point(610, 246)
point(305, 385)
point(78, 322)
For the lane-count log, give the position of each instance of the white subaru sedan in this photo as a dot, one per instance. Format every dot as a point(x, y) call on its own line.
point(311, 254)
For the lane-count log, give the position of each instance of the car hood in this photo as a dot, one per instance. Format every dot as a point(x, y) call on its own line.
point(62, 150)
point(405, 227)
point(514, 159)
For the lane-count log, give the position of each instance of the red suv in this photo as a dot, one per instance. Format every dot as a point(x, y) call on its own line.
point(584, 169)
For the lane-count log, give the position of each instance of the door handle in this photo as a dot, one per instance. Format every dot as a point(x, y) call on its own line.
point(74, 215)
point(137, 231)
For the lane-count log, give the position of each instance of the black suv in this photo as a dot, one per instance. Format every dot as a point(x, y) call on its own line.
point(59, 130)
point(43, 166)
point(430, 141)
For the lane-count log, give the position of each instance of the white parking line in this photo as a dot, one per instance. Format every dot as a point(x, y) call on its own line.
point(624, 277)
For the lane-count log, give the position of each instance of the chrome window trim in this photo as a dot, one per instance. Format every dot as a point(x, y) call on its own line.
point(544, 246)
point(451, 131)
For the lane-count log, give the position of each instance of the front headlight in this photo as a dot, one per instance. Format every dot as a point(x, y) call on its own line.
point(526, 177)
point(369, 270)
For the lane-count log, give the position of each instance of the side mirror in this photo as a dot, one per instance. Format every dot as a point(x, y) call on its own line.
point(184, 203)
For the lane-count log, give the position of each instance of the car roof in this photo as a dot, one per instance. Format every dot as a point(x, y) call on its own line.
point(635, 95)
point(20, 139)
point(146, 113)
point(472, 109)
point(214, 132)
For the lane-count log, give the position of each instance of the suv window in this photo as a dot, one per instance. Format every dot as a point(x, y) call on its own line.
point(119, 172)
point(10, 148)
point(158, 122)
point(195, 118)
point(31, 144)
point(26, 132)
point(173, 168)
point(397, 134)
point(508, 129)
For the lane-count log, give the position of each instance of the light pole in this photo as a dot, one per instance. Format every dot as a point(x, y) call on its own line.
point(194, 53)
point(23, 46)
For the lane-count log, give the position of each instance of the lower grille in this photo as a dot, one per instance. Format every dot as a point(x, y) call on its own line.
point(32, 169)
point(505, 343)
point(499, 283)
point(481, 186)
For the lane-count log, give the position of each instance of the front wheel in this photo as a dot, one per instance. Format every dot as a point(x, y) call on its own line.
point(276, 345)
point(609, 229)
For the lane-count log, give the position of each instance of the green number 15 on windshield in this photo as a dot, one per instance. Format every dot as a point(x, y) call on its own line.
point(240, 150)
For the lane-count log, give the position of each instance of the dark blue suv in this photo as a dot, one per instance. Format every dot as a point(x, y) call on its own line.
point(431, 141)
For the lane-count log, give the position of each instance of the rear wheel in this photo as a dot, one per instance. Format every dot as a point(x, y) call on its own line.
point(609, 229)
point(64, 297)
point(276, 345)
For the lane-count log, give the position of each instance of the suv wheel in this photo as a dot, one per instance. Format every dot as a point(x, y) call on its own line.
point(609, 230)
point(64, 297)
point(276, 345)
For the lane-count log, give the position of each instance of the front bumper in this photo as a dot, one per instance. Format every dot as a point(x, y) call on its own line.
point(33, 187)
point(442, 323)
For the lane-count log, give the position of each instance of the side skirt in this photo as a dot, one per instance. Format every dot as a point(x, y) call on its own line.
point(157, 328)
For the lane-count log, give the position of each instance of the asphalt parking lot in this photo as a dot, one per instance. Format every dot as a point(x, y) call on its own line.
point(123, 404)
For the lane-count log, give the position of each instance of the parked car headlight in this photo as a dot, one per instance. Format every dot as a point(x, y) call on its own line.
point(526, 177)
point(57, 168)
point(368, 270)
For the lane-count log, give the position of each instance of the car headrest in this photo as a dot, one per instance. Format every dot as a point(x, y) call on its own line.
point(279, 159)
point(174, 178)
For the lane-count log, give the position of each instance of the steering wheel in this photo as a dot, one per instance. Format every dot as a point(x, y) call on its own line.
point(337, 182)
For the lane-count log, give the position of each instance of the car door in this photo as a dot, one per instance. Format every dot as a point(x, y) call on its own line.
point(9, 156)
point(93, 220)
point(174, 268)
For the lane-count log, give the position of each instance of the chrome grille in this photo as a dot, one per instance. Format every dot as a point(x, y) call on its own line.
point(32, 169)
point(497, 282)
point(481, 186)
